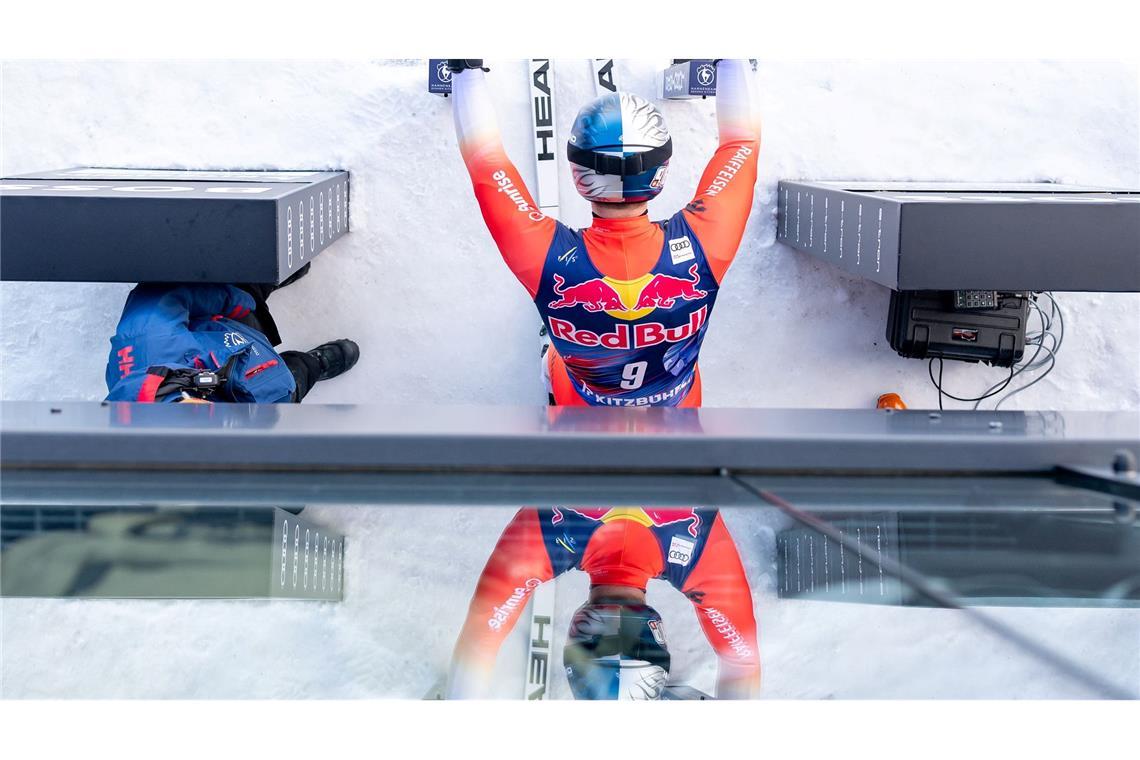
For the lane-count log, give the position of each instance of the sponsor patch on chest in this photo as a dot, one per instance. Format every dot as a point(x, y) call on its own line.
point(681, 250)
point(681, 551)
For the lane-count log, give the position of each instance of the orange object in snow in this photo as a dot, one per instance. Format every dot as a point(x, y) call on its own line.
point(890, 401)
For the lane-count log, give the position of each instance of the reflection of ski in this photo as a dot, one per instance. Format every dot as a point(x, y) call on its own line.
point(605, 75)
point(684, 692)
point(538, 641)
point(437, 689)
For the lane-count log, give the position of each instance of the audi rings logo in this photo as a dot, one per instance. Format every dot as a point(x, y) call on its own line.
point(705, 74)
point(681, 551)
point(442, 73)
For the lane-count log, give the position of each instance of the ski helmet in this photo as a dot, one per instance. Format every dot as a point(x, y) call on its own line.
point(619, 149)
point(616, 650)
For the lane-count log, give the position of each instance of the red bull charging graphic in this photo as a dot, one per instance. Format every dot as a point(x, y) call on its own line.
point(629, 342)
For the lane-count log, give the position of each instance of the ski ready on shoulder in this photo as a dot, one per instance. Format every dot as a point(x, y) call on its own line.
point(605, 76)
point(541, 613)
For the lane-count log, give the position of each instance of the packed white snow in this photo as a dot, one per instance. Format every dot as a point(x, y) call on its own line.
point(789, 331)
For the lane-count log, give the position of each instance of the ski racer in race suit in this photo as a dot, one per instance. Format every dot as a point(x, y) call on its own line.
point(626, 301)
point(620, 548)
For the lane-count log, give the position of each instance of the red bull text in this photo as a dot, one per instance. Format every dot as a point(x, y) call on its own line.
point(630, 336)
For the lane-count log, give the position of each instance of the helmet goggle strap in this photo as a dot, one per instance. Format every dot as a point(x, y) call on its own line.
point(624, 166)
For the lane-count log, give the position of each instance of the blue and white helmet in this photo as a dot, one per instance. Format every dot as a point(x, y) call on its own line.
point(619, 149)
point(616, 650)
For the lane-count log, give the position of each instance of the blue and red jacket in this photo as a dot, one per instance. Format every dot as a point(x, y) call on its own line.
point(171, 329)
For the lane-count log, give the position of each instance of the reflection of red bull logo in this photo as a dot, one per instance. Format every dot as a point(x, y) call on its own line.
point(647, 516)
point(628, 299)
point(625, 336)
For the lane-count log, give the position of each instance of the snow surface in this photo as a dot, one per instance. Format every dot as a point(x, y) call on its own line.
point(789, 331)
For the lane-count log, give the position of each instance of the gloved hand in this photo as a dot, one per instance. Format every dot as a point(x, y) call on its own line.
point(459, 64)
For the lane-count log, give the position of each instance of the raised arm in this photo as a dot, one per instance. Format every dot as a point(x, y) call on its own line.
point(719, 591)
point(719, 211)
point(516, 567)
point(521, 231)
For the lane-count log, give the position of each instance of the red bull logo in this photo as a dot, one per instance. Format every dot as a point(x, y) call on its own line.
point(647, 516)
point(593, 295)
point(663, 291)
point(628, 299)
point(625, 336)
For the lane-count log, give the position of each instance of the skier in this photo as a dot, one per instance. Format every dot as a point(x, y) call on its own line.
point(212, 342)
point(616, 646)
point(635, 298)
point(626, 302)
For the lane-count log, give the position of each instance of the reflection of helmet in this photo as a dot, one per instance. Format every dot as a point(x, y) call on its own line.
point(619, 149)
point(616, 650)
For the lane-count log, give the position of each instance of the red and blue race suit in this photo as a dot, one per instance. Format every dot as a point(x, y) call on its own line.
point(628, 342)
point(689, 548)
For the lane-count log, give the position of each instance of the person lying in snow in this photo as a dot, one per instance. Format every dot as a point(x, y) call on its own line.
point(213, 342)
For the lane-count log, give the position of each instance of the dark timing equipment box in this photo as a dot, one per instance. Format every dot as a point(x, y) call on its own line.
point(927, 323)
point(946, 236)
point(153, 225)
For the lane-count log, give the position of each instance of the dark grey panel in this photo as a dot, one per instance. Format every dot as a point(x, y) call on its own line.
point(103, 488)
point(117, 225)
point(947, 236)
point(87, 239)
point(80, 173)
point(193, 552)
point(146, 190)
point(1031, 245)
point(552, 439)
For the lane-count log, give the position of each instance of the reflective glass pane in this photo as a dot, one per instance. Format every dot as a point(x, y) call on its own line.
point(356, 598)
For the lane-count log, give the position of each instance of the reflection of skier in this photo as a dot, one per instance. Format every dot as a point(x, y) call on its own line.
point(616, 646)
point(619, 297)
point(212, 343)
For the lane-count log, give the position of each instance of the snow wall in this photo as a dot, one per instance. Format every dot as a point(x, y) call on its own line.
point(789, 331)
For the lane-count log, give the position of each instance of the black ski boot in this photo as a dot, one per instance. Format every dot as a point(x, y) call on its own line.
point(336, 357)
